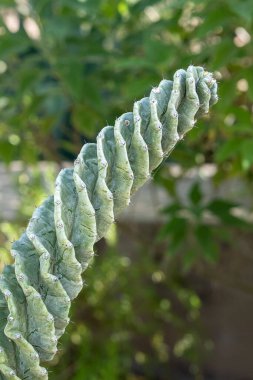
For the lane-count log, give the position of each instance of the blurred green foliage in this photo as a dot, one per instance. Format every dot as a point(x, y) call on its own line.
point(198, 228)
point(69, 67)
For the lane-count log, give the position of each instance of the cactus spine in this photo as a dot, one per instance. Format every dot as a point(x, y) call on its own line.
point(50, 257)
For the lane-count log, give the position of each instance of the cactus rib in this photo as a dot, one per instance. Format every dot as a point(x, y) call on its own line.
point(50, 257)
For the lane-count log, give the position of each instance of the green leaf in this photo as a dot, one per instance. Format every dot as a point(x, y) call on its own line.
point(7, 151)
point(189, 258)
point(220, 206)
point(227, 150)
point(242, 9)
point(206, 241)
point(176, 230)
point(195, 194)
point(211, 20)
point(86, 119)
point(228, 94)
point(224, 53)
point(242, 115)
point(174, 227)
point(222, 209)
point(246, 149)
point(171, 209)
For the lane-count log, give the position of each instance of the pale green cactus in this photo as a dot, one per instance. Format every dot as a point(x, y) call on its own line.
point(50, 257)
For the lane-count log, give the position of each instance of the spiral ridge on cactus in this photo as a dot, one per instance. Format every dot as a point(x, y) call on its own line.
point(57, 246)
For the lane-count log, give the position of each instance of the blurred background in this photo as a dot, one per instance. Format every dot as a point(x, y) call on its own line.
point(170, 293)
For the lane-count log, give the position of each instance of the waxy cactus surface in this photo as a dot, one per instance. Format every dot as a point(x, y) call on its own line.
point(50, 257)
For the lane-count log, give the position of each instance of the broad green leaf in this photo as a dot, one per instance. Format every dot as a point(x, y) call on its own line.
point(223, 209)
point(189, 259)
point(227, 150)
point(195, 194)
point(242, 9)
point(207, 242)
point(220, 206)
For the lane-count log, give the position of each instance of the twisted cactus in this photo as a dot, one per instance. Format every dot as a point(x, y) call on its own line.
point(50, 257)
